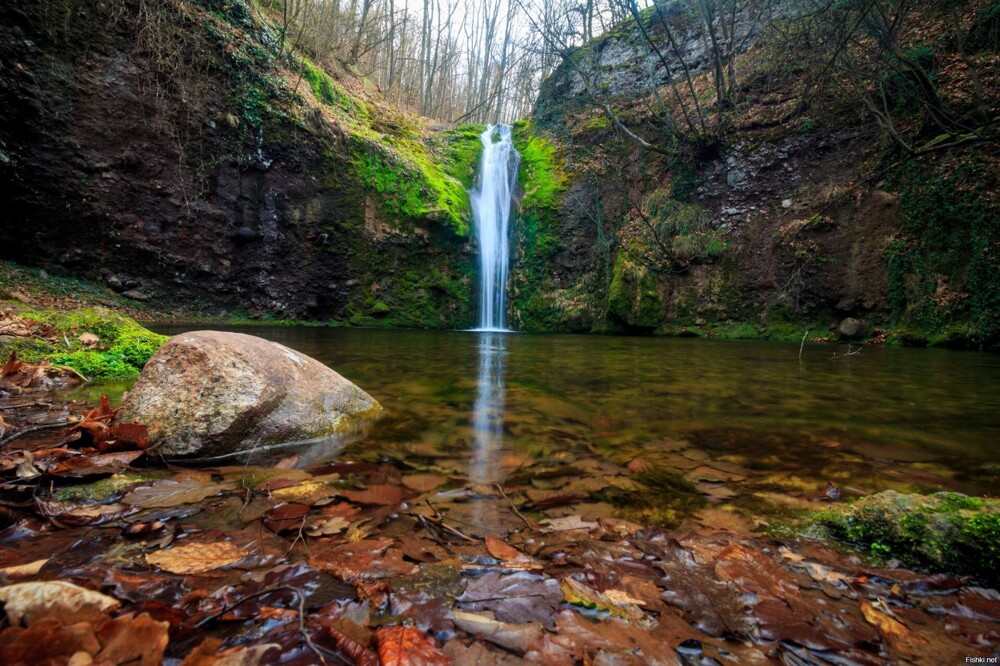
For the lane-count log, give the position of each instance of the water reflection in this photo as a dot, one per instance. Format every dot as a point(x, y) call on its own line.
point(487, 415)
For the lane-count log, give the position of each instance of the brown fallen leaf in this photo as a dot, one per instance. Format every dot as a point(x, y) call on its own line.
point(209, 654)
point(130, 639)
point(509, 555)
point(515, 637)
point(899, 637)
point(197, 557)
point(407, 646)
point(353, 650)
point(23, 601)
point(29, 569)
point(47, 641)
point(376, 494)
point(284, 517)
point(168, 493)
point(423, 483)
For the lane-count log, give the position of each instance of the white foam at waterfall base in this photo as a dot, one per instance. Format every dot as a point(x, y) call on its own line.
point(491, 211)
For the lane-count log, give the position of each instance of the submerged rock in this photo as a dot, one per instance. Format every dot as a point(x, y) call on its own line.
point(947, 532)
point(209, 393)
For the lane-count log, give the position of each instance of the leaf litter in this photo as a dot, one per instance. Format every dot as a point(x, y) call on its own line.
point(359, 562)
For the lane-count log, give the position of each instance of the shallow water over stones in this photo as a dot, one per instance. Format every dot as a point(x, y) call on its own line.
point(659, 430)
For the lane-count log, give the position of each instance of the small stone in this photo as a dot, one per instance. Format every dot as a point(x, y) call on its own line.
point(786, 203)
point(735, 177)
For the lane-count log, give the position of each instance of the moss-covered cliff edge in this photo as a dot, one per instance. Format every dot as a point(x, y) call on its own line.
point(186, 158)
point(793, 212)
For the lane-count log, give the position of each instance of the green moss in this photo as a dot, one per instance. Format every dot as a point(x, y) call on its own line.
point(123, 345)
point(543, 180)
point(99, 491)
point(459, 150)
point(942, 532)
point(633, 298)
point(412, 183)
point(944, 270)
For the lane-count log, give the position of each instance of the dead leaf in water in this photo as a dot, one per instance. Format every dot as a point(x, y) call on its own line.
point(407, 646)
point(168, 493)
point(23, 601)
point(516, 637)
point(376, 494)
point(197, 557)
point(423, 483)
point(128, 639)
point(896, 634)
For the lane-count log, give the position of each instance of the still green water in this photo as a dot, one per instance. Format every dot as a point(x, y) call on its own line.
point(747, 424)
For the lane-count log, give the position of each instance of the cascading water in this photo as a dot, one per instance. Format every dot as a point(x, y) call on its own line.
point(491, 208)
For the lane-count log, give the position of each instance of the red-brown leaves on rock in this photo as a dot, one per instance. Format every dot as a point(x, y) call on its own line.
point(407, 646)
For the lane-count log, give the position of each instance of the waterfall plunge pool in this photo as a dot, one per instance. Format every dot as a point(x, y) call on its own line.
point(714, 431)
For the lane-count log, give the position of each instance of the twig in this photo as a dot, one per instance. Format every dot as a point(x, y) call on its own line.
point(36, 428)
point(512, 507)
point(836, 357)
point(439, 523)
point(302, 614)
point(802, 344)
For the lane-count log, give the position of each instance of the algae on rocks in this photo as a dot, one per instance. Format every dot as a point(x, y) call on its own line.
point(946, 531)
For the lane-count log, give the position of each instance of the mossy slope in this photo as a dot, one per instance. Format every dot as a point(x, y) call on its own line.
point(122, 348)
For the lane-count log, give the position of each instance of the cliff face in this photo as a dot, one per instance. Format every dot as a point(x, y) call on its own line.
point(800, 213)
point(176, 151)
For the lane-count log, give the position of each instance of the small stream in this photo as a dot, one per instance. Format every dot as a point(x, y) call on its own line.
point(748, 425)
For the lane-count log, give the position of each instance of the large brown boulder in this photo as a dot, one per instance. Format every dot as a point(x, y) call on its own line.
point(209, 393)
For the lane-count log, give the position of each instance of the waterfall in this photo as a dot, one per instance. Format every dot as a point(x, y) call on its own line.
point(491, 208)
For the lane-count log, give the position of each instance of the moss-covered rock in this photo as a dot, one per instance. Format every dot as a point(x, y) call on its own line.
point(633, 298)
point(121, 349)
point(947, 532)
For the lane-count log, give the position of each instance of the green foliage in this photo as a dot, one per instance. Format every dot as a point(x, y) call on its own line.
point(123, 346)
point(943, 532)
point(683, 228)
point(944, 270)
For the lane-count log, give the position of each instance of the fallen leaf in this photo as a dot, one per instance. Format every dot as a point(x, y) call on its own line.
point(580, 594)
point(376, 494)
point(306, 492)
point(29, 569)
point(355, 651)
point(208, 654)
point(284, 517)
point(47, 641)
point(567, 524)
point(895, 632)
point(516, 637)
point(169, 493)
point(423, 483)
point(23, 601)
point(197, 557)
point(509, 555)
point(407, 646)
point(129, 639)
point(326, 526)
